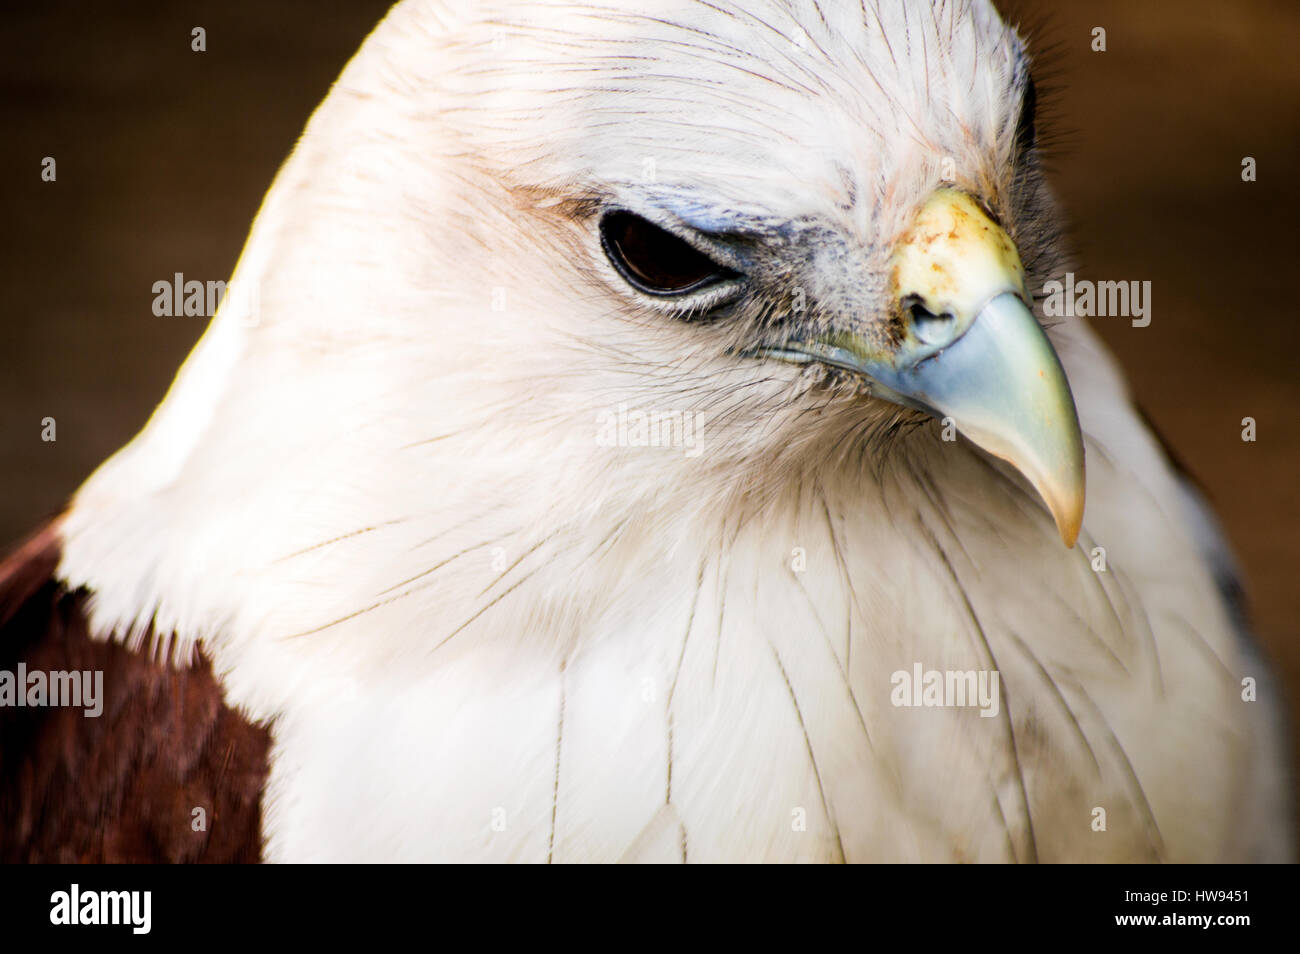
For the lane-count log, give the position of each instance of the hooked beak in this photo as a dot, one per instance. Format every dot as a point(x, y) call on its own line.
point(971, 351)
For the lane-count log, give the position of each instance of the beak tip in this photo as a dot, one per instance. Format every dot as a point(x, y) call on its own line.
point(1069, 519)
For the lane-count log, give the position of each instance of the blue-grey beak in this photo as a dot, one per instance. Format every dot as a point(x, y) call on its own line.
point(973, 352)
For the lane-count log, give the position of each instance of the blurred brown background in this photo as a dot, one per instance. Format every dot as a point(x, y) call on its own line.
point(163, 156)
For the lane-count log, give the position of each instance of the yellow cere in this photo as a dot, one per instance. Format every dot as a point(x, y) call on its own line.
point(956, 258)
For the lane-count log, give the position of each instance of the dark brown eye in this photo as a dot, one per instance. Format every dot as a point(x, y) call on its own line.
point(1026, 134)
point(654, 260)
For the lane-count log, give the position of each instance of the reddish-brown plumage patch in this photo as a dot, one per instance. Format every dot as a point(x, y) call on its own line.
point(122, 787)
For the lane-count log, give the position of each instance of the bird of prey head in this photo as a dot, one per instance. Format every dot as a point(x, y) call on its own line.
point(849, 187)
point(802, 229)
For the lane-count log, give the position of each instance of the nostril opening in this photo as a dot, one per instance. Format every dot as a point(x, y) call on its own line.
point(931, 328)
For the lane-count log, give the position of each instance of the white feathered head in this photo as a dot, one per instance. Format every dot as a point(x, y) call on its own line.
point(518, 234)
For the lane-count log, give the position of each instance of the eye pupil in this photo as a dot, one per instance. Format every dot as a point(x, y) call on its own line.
point(653, 259)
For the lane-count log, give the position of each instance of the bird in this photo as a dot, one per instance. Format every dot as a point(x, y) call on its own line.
point(632, 433)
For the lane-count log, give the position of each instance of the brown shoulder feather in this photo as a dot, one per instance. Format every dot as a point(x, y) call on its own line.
point(123, 786)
